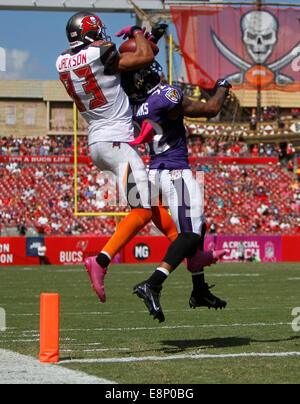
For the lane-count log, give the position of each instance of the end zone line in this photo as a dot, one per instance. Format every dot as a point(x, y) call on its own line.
point(178, 357)
point(16, 368)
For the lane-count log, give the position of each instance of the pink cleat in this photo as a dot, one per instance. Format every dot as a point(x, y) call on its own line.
point(96, 274)
point(203, 258)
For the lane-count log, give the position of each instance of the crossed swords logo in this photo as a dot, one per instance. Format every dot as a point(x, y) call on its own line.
point(244, 66)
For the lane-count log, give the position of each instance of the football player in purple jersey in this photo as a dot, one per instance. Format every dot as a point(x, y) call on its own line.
point(159, 109)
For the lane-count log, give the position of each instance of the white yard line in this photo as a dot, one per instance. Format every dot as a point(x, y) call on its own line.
point(160, 328)
point(20, 369)
point(191, 356)
point(106, 313)
point(157, 328)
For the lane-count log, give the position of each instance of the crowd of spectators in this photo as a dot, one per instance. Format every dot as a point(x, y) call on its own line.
point(251, 200)
point(42, 197)
point(212, 147)
point(198, 146)
point(46, 146)
point(238, 199)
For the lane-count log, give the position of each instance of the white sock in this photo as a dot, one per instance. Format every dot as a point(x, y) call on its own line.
point(163, 270)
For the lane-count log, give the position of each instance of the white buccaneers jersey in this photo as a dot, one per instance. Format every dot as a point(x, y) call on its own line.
point(99, 97)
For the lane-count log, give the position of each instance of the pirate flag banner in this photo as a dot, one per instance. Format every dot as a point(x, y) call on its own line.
point(252, 48)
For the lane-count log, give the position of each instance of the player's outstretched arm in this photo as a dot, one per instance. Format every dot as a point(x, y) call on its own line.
point(207, 109)
point(212, 107)
point(143, 55)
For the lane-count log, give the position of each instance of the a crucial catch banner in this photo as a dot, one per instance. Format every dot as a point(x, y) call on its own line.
point(247, 247)
point(72, 250)
point(250, 47)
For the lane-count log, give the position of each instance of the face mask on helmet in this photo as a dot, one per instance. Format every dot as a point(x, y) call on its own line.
point(145, 80)
point(85, 28)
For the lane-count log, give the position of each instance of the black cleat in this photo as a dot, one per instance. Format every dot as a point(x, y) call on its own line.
point(204, 297)
point(150, 296)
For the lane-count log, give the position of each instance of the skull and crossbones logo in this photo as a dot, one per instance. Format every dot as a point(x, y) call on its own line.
point(259, 35)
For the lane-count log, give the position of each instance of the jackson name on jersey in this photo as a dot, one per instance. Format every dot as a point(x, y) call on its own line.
point(98, 95)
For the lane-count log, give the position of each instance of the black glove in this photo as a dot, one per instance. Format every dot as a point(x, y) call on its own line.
point(223, 83)
point(158, 30)
point(135, 28)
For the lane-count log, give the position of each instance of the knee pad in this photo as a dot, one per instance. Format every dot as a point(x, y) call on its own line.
point(184, 246)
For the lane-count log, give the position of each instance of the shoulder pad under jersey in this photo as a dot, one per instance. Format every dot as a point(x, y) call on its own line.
point(108, 52)
point(66, 52)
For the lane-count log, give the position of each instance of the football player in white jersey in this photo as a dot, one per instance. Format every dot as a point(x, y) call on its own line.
point(90, 71)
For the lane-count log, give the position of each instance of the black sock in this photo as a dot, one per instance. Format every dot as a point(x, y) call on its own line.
point(103, 260)
point(198, 281)
point(157, 278)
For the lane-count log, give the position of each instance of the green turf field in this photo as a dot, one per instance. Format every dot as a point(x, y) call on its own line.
point(251, 341)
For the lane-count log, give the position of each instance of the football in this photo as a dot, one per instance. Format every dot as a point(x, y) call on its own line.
point(130, 46)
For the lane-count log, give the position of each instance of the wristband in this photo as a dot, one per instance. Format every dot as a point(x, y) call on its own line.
point(135, 30)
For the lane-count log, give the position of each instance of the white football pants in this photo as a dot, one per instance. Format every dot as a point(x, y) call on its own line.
point(180, 191)
point(125, 163)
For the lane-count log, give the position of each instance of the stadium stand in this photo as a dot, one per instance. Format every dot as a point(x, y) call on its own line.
point(251, 199)
point(239, 199)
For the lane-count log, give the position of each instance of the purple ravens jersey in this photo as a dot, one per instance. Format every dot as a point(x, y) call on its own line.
point(168, 151)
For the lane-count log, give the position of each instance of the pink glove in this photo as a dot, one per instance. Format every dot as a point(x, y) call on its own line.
point(146, 135)
point(128, 32)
